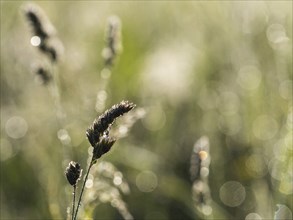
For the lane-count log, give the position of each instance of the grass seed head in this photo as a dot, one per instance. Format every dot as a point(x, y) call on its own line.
point(73, 173)
point(103, 122)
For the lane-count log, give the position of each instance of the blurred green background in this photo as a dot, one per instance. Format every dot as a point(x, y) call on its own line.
point(222, 69)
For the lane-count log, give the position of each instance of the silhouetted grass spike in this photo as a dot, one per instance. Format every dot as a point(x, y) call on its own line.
point(195, 166)
point(103, 122)
point(201, 194)
point(73, 173)
point(103, 146)
point(199, 155)
point(49, 50)
point(39, 22)
point(43, 75)
point(98, 136)
point(199, 171)
point(42, 28)
point(113, 41)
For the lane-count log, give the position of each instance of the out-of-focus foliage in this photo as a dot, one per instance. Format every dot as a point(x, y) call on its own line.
point(220, 69)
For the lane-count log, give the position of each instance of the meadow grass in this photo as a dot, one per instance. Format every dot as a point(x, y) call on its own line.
point(218, 69)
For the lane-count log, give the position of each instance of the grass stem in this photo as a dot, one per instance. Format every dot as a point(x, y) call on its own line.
point(73, 201)
point(83, 186)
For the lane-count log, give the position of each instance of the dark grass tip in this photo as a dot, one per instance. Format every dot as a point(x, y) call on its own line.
point(43, 75)
point(73, 173)
point(36, 24)
point(103, 146)
point(103, 122)
point(49, 50)
point(113, 40)
point(39, 22)
point(43, 28)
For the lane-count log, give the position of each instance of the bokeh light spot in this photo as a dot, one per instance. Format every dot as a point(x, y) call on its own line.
point(167, 71)
point(203, 154)
point(274, 168)
point(63, 136)
point(35, 41)
point(232, 193)
point(280, 149)
point(265, 127)
point(89, 183)
point(256, 166)
point(204, 171)
point(105, 73)
point(207, 210)
point(102, 95)
point(117, 180)
point(146, 181)
point(249, 77)
point(104, 197)
point(253, 216)
point(123, 130)
point(286, 185)
point(16, 127)
point(276, 33)
point(101, 99)
point(283, 212)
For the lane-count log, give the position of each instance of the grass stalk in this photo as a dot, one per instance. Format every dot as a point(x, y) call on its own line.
point(83, 186)
point(73, 201)
point(59, 110)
